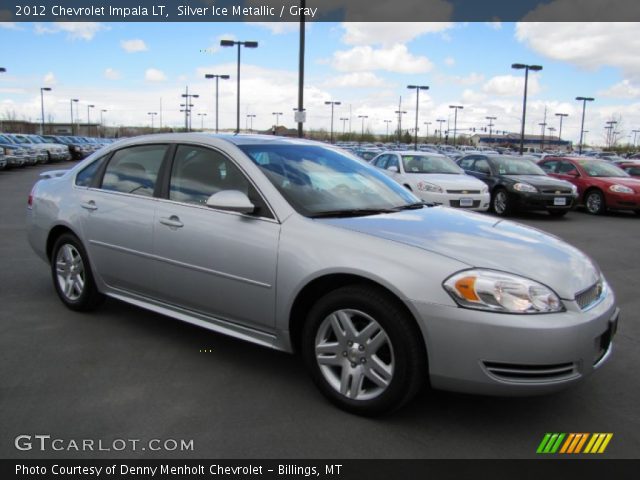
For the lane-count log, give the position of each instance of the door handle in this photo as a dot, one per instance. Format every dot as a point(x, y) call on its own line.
point(172, 221)
point(90, 205)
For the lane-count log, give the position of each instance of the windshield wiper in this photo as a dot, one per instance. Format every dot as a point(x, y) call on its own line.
point(414, 206)
point(354, 212)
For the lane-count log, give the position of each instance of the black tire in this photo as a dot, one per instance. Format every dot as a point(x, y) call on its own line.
point(79, 299)
point(594, 202)
point(404, 346)
point(500, 202)
point(558, 213)
point(637, 212)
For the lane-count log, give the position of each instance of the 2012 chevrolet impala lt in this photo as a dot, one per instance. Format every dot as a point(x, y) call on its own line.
point(298, 246)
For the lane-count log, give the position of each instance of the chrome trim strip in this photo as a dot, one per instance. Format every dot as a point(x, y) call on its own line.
point(180, 264)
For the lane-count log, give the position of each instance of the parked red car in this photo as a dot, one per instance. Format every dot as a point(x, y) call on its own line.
point(631, 167)
point(601, 185)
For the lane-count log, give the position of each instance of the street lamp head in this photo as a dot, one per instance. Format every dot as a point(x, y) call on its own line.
point(535, 68)
point(195, 96)
point(91, 106)
point(227, 43)
point(225, 77)
point(75, 99)
point(456, 106)
point(2, 69)
point(46, 89)
point(585, 99)
point(251, 44)
point(209, 75)
point(104, 111)
point(518, 66)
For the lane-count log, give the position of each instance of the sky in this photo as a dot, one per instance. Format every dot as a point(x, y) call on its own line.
point(129, 69)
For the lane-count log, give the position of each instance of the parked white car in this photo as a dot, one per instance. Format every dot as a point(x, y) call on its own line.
point(435, 178)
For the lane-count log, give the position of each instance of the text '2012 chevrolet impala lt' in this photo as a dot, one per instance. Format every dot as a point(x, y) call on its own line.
point(298, 246)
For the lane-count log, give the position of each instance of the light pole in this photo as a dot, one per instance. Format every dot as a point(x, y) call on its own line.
point(455, 121)
point(101, 122)
point(635, 132)
point(231, 43)
point(344, 125)
point(585, 136)
point(277, 114)
point(89, 119)
point(301, 109)
point(152, 115)
point(42, 90)
point(217, 77)
point(332, 106)
point(202, 115)
point(491, 119)
point(387, 122)
point(544, 126)
point(250, 118)
point(584, 101)
point(426, 137)
point(71, 102)
point(551, 130)
point(362, 131)
point(561, 115)
point(187, 107)
point(533, 68)
point(400, 113)
point(417, 88)
point(610, 126)
point(440, 121)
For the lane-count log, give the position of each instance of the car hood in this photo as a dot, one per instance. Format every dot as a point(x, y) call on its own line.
point(541, 181)
point(483, 242)
point(626, 181)
point(454, 181)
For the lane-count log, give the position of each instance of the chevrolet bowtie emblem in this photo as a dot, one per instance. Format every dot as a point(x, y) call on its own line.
point(557, 192)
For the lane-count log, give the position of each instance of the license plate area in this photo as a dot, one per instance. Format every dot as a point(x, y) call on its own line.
point(560, 201)
point(466, 202)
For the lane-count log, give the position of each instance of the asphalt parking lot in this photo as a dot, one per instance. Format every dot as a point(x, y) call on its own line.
point(126, 373)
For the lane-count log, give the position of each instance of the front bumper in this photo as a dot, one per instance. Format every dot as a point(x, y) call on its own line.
point(503, 354)
point(475, 201)
point(16, 160)
point(543, 201)
point(623, 201)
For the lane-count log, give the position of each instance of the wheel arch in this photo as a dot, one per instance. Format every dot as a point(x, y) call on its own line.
point(55, 233)
point(324, 284)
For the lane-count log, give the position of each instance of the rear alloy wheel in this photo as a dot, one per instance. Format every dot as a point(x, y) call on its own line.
point(594, 203)
point(500, 203)
point(72, 275)
point(363, 351)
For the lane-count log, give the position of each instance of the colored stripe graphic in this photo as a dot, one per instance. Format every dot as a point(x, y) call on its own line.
point(573, 443)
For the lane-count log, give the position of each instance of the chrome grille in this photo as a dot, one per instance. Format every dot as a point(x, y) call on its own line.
point(530, 373)
point(591, 295)
point(464, 192)
point(556, 191)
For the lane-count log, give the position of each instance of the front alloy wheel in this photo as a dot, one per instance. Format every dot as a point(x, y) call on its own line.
point(354, 354)
point(501, 204)
point(363, 350)
point(594, 202)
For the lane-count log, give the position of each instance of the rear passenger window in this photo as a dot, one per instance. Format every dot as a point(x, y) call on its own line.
point(87, 175)
point(134, 170)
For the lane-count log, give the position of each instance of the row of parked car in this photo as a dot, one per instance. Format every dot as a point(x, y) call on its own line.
point(505, 184)
point(20, 150)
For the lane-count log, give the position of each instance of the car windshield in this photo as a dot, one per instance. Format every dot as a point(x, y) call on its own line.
point(4, 139)
point(516, 166)
point(429, 164)
point(22, 140)
point(595, 168)
point(320, 181)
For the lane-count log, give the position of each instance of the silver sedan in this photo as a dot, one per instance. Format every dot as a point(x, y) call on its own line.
point(299, 246)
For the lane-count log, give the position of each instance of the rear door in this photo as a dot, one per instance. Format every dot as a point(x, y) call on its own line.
point(117, 217)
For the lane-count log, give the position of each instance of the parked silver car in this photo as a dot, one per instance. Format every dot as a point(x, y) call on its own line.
point(298, 246)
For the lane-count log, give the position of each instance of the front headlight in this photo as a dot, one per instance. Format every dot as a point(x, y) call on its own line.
point(429, 187)
point(574, 190)
point(501, 292)
point(525, 187)
point(9, 151)
point(620, 189)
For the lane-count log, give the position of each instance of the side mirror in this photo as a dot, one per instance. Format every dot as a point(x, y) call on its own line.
point(393, 169)
point(231, 201)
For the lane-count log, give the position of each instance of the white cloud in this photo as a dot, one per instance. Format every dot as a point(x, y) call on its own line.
point(449, 61)
point(469, 96)
point(510, 85)
point(467, 80)
point(587, 45)
point(49, 78)
point(154, 75)
point(133, 45)
point(356, 80)
point(623, 89)
point(389, 33)
point(112, 74)
point(393, 59)
point(75, 30)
